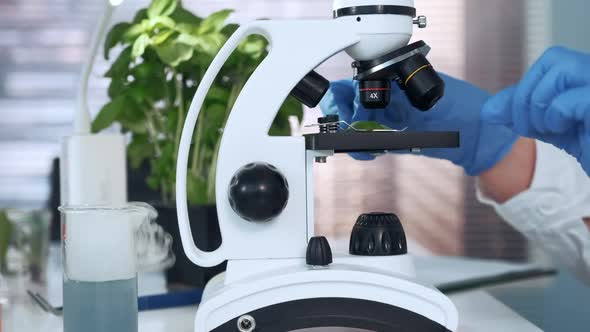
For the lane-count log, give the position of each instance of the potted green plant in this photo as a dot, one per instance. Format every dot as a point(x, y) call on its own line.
point(6, 227)
point(164, 53)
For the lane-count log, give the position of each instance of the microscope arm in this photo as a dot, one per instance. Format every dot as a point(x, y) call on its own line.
point(205, 259)
point(320, 40)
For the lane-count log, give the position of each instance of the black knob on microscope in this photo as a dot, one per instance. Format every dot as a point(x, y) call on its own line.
point(311, 89)
point(319, 252)
point(258, 192)
point(378, 234)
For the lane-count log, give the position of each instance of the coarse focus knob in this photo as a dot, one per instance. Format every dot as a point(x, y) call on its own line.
point(378, 234)
point(258, 192)
point(329, 124)
point(319, 252)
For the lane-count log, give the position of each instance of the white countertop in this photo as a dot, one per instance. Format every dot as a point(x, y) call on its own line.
point(479, 312)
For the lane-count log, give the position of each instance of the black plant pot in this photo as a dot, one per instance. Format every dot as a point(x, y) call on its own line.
point(205, 229)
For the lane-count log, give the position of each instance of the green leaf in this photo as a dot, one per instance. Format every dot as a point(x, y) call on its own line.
point(140, 45)
point(136, 30)
point(368, 126)
point(229, 29)
point(292, 107)
point(6, 228)
point(133, 119)
point(153, 182)
point(254, 46)
point(161, 22)
point(171, 120)
point(140, 16)
point(218, 95)
point(196, 190)
point(210, 43)
point(281, 125)
point(146, 91)
point(139, 150)
point(215, 22)
point(108, 114)
point(214, 117)
point(120, 67)
point(161, 37)
point(148, 71)
point(186, 28)
point(161, 8)
point(173, 53)
point(114, 37)
point(184, 16)
point(188, 39)
point(116, 87)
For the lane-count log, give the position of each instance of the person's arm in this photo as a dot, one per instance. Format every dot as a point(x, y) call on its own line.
point(513, 175)
point(544, 194)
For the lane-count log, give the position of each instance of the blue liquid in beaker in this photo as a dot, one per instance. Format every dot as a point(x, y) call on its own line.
point(109, 306)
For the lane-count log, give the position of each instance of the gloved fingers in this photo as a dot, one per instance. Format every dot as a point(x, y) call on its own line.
point(521, 100)
point(557, 70)
point(552, 58)
point(549, 87)
point(339, 100)
point(522, 94)
point(568, 110)
point(559, 79)
point(498, 109)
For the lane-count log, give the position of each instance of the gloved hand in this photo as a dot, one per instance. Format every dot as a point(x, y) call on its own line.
point(482, 145)
point(551, 103)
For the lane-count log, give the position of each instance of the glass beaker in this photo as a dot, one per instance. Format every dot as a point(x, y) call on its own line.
point(100, 248)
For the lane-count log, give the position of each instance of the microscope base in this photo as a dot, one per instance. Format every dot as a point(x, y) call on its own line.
point(336, 296)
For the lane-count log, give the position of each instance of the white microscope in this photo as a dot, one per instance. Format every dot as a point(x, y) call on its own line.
point(280, 276)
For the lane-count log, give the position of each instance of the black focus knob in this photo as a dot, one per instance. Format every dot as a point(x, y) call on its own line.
point(319, 252)
point(329, 124)
point(378, 234)
point(311, 89)
point(258, 192)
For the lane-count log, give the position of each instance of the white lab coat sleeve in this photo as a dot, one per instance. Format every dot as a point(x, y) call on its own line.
point(550, 213)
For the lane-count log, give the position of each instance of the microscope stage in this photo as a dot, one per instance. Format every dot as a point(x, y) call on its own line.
point(380, 141)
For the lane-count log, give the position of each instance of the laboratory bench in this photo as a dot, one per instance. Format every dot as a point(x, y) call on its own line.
point(478, 310)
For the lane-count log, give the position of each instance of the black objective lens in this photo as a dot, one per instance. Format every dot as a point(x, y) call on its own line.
point(375, 94)
point(420, 81)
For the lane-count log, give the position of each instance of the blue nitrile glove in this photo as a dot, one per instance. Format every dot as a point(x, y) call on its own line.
point(551, 103)
point(482, 145)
